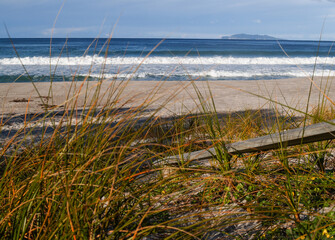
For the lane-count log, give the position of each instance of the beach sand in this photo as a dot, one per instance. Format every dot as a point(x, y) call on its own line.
point(175, 97)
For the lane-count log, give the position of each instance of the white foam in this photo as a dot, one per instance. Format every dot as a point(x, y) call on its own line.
point(215, 60)
point(219, 74)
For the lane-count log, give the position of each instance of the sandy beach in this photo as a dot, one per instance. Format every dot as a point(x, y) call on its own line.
point(177, 97)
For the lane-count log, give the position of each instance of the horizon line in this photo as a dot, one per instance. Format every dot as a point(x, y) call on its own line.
point(186, 38)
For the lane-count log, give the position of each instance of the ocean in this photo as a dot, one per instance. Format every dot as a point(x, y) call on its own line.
point(174, 59)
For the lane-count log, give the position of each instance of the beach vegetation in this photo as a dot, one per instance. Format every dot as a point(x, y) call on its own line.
point(102, 171)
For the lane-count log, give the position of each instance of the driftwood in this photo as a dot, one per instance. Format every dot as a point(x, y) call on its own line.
point(313, 133)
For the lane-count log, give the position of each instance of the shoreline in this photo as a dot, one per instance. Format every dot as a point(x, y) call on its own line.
point(177, 97)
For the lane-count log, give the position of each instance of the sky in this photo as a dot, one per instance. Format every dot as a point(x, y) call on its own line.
point(287, 19)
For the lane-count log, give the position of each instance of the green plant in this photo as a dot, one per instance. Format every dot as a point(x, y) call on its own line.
point(95, 172)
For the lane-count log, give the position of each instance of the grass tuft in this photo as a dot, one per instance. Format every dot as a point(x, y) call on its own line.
point(96, 172)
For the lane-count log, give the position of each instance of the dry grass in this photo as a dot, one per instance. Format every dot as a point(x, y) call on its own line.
point(91, 174)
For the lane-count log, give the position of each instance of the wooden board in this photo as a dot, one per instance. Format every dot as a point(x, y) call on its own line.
point(313, 133)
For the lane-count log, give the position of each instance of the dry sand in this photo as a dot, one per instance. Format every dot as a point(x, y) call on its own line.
point(181, 96)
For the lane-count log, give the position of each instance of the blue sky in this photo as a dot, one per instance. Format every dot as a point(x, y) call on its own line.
point(289, 19)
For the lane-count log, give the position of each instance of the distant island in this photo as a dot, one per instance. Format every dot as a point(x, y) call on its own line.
point(244, 36)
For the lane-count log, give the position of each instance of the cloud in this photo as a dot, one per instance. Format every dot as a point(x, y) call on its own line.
point(65, 31)
point(332, 1)
point(258, 21)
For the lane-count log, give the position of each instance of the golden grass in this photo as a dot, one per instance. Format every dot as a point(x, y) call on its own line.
point(92, 174)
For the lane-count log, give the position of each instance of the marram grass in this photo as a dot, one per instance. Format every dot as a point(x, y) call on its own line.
point(93, 173)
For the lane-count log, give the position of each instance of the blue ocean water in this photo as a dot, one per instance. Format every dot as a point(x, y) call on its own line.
point(173, 59)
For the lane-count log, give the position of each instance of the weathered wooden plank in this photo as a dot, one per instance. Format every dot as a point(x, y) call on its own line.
point(313, 133)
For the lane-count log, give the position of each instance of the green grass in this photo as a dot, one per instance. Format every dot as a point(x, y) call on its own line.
point(92, 174)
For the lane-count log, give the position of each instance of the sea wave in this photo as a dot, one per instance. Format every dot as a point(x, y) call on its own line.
point(213, 60)
point(215, 74)
point(252, 74)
